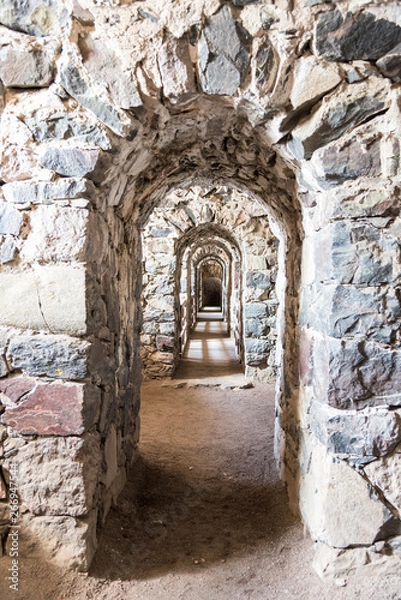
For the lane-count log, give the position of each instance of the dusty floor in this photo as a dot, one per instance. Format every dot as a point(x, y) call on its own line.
point(211, 519)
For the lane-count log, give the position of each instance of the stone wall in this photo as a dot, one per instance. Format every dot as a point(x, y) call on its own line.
point(113, 106)
point(182, 222)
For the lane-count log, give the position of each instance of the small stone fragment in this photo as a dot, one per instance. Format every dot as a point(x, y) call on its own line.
point(390, 64)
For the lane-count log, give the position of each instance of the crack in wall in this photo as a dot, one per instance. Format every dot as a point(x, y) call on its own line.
point(41, 310)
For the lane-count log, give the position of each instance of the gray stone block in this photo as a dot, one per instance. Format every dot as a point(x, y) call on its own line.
point(10, 219)
point(8, 249)
point(390, 64)
point(55, 356)
point(257, 346)
point(258, 279)
point(66, 126)
point(347, 159)
point(74, 78)
point(176, 70)
point(353, 374)
point(24, 69)
point(358, 253)
point(223, 57)
point(265, 64)
point(337, 115)
point(256, 310)
point(329, 485)
point(361, 434)
point(355, 36)
point(256, 327)
point(22, 192)
point(371, 313)
point(33, 17)
point(243, 2)
point(385, 474)
point(71, 162)
point(162, 232)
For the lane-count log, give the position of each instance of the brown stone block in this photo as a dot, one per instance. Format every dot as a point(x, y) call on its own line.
point(163, 357)
point(58, 475)
point(56, 409)
point(63, 540)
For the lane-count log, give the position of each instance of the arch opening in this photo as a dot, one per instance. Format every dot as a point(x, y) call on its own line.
point(210, 285)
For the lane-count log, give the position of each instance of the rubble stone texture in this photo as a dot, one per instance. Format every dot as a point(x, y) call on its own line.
point(136, 139)
point(209, 223)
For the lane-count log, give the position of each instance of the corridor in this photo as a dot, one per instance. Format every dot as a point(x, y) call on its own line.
point(210, 354)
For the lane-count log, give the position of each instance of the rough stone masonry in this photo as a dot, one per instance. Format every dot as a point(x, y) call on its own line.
point(217, 226)
point(110, 111)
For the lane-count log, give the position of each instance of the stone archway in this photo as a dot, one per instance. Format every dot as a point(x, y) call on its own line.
point(189, 297)
point(211, 283)
point(211, 279)
point(276, 105)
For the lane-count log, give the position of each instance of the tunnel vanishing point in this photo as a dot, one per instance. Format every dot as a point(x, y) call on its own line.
point(148, 147)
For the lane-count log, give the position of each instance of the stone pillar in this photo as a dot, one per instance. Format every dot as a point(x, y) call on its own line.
point(59, 429)
point(350, 366)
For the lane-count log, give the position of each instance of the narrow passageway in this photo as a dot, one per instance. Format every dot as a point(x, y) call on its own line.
point(211, 519)
point(210, 353)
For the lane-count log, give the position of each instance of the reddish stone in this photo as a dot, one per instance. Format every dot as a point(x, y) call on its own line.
point(16, 387)
point(55, 409)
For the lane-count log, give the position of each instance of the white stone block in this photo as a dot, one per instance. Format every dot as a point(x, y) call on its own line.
point(57, 234)
point(312, 79)
point(65, 541)
point(337, 504)
point(59, 476)
point(48, 297)
point(386, 475)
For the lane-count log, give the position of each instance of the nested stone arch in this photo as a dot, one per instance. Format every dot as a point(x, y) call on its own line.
point(165, 298)
point(191, 249)
point(215, 210)
point(188, 288)
point(305, 128)
point(210, 276)
point(106, 336)
point(199, 265)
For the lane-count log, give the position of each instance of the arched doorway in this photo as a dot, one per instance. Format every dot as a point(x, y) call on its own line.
point(211, 284)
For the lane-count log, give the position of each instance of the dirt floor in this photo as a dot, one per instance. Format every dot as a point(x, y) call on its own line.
point(210, 520)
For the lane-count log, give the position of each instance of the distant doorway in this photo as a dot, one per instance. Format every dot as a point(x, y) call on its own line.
point(212, 284)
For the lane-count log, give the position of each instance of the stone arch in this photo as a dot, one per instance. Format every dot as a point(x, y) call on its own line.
point(211, 283)
point(205, 298)
point(285, 214)
point(223, 241)
point(169, 231)
point(188, 290)
point(294, 120)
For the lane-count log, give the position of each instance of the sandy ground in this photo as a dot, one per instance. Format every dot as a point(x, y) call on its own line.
point(210, 520)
